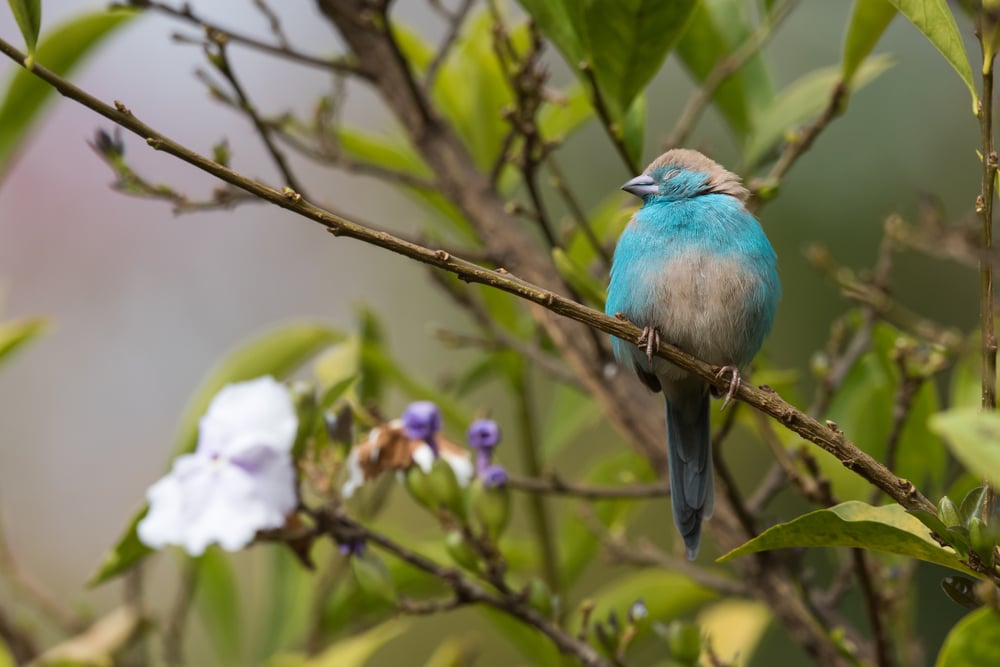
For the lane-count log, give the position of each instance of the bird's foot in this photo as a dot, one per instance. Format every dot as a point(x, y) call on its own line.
point(650, 340)
point(734, 383)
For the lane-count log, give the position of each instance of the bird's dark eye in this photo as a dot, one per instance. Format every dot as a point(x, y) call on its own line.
point(670, 174)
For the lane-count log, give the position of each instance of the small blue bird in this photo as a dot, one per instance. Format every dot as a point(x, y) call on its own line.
point(694, 267)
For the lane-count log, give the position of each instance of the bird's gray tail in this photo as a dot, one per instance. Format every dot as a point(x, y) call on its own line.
point(689, 448)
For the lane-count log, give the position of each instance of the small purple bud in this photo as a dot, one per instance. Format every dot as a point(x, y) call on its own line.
point(493, 476)
point(484, 434)
point(354, 547)
point(421, 420)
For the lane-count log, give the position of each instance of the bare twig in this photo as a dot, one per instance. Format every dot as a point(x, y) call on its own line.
point(555, 486)
point(466, 590)
point(613, 129)
point(273, 22)
point(65, 618)
point(984, 206)
point(219, 57)
point(560, 183)
point(185, 13)
point(173, 630)
point(725, 68)
point(455, 21)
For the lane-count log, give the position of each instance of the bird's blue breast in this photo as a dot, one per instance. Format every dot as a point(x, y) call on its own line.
point(702, 272)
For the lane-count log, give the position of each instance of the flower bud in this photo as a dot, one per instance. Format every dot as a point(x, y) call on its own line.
point(948, 513)
point(419, 486)
point(490, 506)
point(461, 551)
point(444, 489)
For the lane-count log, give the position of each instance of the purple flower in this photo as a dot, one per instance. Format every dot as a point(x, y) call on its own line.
point(421, 421)
point(493, 475)
point(353, 547)
point(240, 478)
point(484, 436)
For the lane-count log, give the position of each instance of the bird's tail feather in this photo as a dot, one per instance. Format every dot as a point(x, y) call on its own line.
point(691, 480)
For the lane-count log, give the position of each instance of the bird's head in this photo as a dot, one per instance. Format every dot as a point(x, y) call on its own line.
point(683, 173)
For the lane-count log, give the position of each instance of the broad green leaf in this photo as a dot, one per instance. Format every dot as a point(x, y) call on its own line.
point(28, 14)
point(802, 100)
point(352, 652)
point(973, 642)
point(6, 659)
point(16, 333)
point(974, 438)
point(716, 28)
point(278, 353)
point(888, 528)
point(935, 20)
point(62, 49)
point(625, 43)
point(290, 590)
point(667, 595)
point(868, 21)
point(217, 601)
point(734, 628)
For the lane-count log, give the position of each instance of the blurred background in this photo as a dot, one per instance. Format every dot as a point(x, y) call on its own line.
point(142, 301)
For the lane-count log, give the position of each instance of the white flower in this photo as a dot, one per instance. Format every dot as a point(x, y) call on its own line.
point(239, 480)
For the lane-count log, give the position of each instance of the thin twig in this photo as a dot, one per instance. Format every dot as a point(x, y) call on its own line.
point(223, 64)
point(455, 21)
point(763, 190)
point(554, 485)
point(561, 185)
point(173, 630)
point(273, 22)
point(875, 607)
point(984, 206)
point(613, 129)
point(185, 13)
point(48, 604)
point(541, 521)
point(725, 68)
point(466, 590)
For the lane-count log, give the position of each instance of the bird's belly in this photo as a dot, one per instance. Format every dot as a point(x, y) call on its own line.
point(709, 307)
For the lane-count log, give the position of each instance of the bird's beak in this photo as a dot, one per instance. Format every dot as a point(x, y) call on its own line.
point(641, 186)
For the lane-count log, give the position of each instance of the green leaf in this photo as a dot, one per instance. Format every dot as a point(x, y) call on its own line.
point(716, 28)
point(935, 20)
point(868, 21)
point(634, 128)
point(61, 51)
point(290, 590)
point(624, 43)
point(973, 642)
point(564, 114)
point(217, 601)
point(888, 528)
point(352, 652)
point(802, 100)
point(667, 595)
point(279, 353)
point(16, 333)
point(974, 438)
point(6, 659)
point(453, 652)
point(28, 14)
